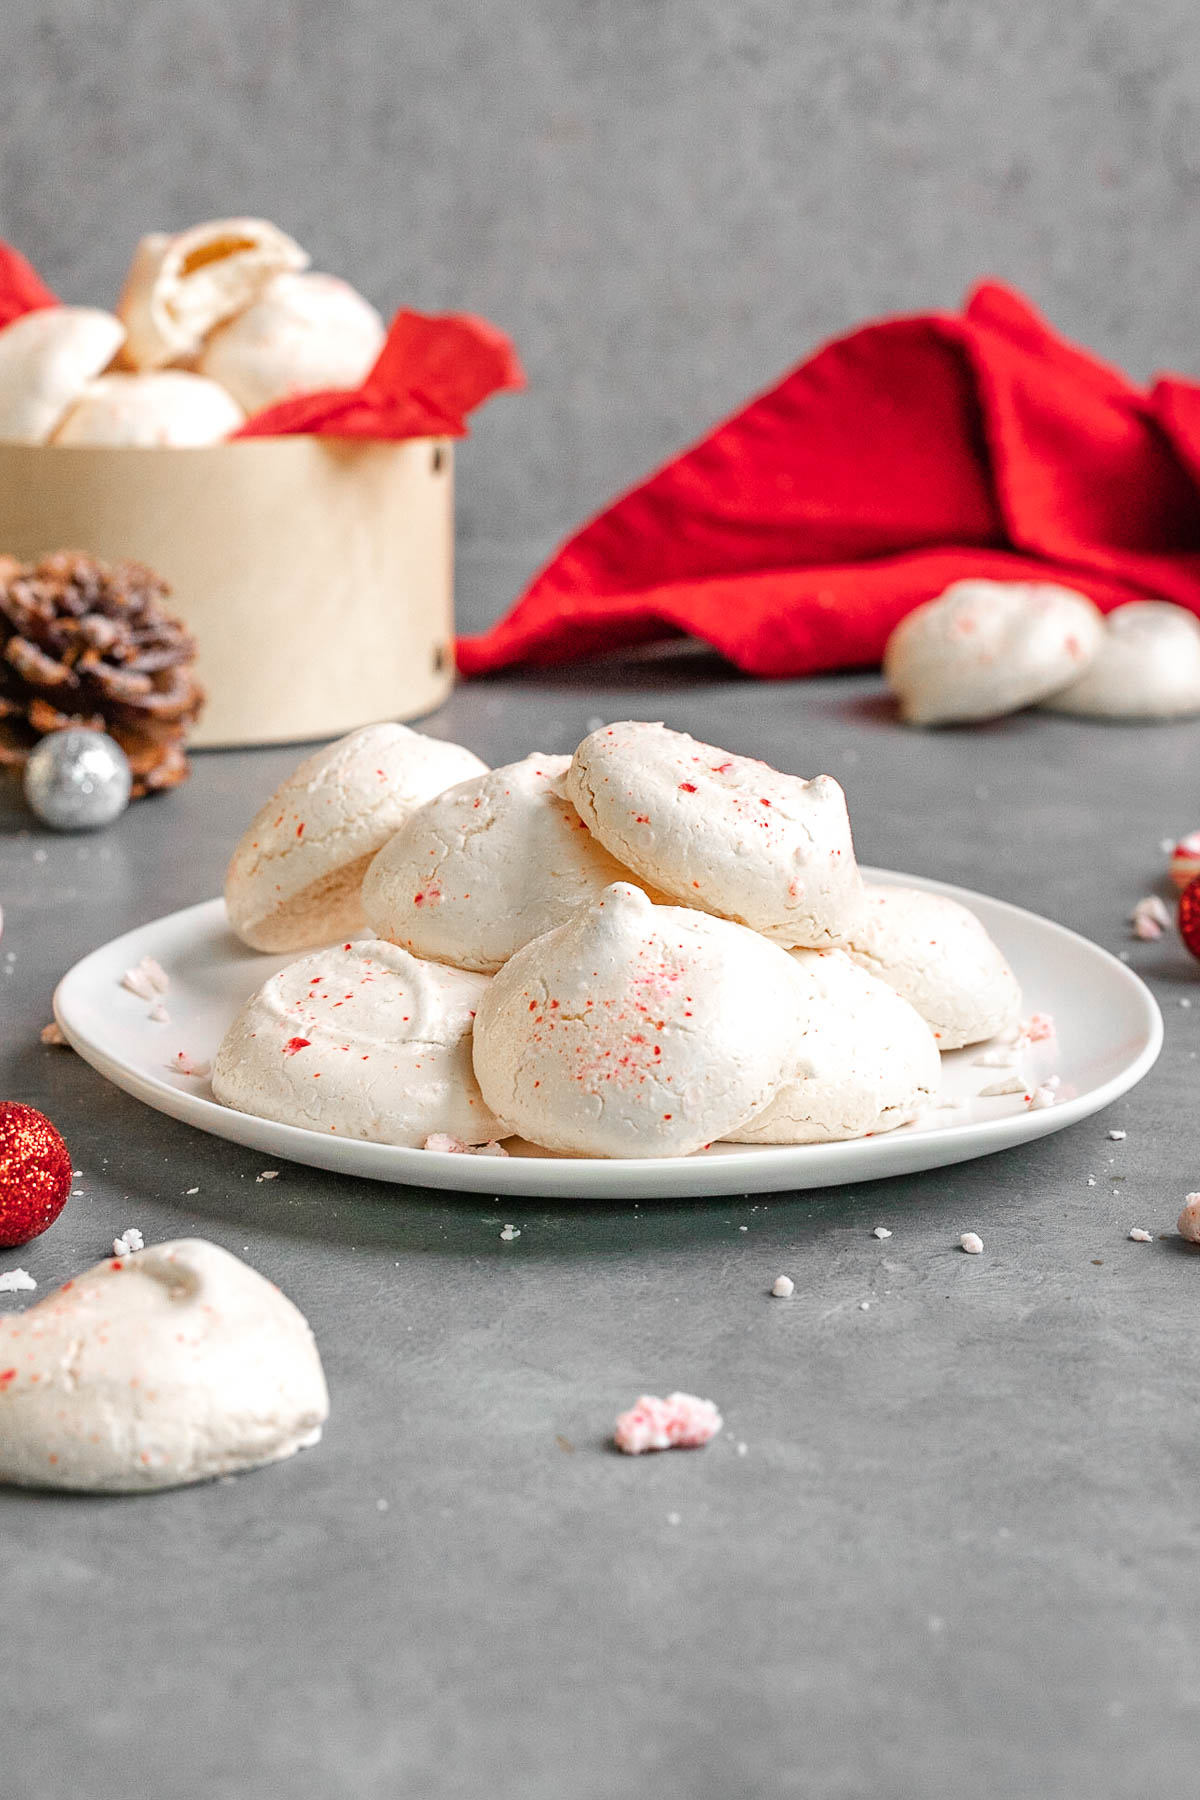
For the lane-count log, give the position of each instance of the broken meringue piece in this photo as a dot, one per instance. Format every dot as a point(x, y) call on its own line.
point(303, 334)
point(172, 1365)
point(47, 359)
point(181, 286)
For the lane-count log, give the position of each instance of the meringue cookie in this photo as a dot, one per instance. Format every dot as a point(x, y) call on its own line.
point(303, 333)
point(181, 286)
point(722, 833)
point(47, 359)
point(937, 955)
point(487, 866)
point(985, 648)
point(172, 1365)
point(636, 1030)
point(170, 409)
point(364, 1041)
point(295, 877)
point(867, 1062)
point(1147, 667)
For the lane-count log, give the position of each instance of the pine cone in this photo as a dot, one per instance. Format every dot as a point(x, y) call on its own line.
point(84, 642)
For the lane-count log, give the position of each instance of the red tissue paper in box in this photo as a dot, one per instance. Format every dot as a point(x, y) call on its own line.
point(909, 454)
point(431, 372)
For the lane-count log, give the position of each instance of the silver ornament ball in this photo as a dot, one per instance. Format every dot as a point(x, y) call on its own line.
point(77, 780)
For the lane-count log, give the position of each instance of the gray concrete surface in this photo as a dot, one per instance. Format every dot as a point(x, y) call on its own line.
point(666, 202)
point(958, 1557)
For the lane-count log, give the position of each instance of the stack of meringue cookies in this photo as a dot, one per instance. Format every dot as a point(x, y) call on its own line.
point(983, 649)
point(638, 951)
point(213, 324)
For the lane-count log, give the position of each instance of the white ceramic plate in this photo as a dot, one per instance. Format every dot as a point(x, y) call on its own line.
point(1108, 1034)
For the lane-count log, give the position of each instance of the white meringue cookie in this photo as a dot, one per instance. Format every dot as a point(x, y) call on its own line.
point(181, 286)
point(363, 1041)
point(47, 359)
point(172, 1365)
point(867, 1061)
point(986, 648)
point(937, 955)
point(303, 333)
point(166, 410)
point(486, 866)
point(636, 1030)
point(294, 879)
point(1147, 667)
point(723, 833)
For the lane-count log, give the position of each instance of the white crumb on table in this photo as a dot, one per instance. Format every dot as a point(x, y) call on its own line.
point(190, 1191)
point(881, 1231)
point(53, 1034)
point(16, 1281)
point(130, 1240)
point(1141, 1237)
point(783, 1288)
point(509, 1233)
point(1116, 1137)
point(268, 1175)
point(864, 1306)
point(972, 1243)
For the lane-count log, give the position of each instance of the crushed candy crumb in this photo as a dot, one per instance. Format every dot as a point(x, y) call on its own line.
point(16, 1281)
point(1149, 918)
point(130, 1240)
point(182, 1064)
point(148, 979)
point(972, 1243)
point(1046, 1094)
point(680, 1422)
point(1011, 1084)
point(881, 1231)
point(1141, 1237)
point(53, 1034)
point(784, 1287)
point(268, 1175)
point(1188, 1223)
point(1117, 1137)
point(159, 1014)
point(510, 1232)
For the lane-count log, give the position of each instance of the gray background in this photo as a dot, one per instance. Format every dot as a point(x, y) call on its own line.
point(665, 203)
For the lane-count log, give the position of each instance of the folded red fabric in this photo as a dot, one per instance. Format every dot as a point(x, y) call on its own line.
point(432, 371)
point(909, 454)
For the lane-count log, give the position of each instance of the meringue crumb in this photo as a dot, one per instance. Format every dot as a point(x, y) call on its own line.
point(680, 1422)
point(509, 1233)
point(130, 1240)
point(1188, 1223)
point(1149, 918)
point(864, 1306)
point(190, 1191)
point(996, 1059)
point(268, 1175)
point(147, 979)
point(441, 1140)
point(182, 1064)
point(159, 1014)
point(16, 1281)
point(881, 1231)
point(1037, 1028)
point(972, 1243)
point(53, 1034)
point(742, 1449)
point(1140, 1237)
point(1011, 1084)
point(1117, 1137)
point(784, 1287)
point(1044, 1095)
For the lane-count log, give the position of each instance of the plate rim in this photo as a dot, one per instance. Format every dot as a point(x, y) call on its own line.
point(732, 1170)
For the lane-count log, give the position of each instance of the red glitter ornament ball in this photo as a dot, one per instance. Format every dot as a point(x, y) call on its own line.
point(35, 1173)
point(1189, 916)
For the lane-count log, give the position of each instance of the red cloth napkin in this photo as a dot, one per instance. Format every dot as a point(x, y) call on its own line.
point(909, 454)
point(431, 372)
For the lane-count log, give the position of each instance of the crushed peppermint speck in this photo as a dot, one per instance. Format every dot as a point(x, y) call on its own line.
point(881, 1231)
point(680, 1422)
point(783, 1288)
point(1141, 1237)
point(147, 979)
point(1149, 918)
point(130, 1240)
point(16, 1281)
point(1046, 1094)
point(972, 1243)
point(182, 1064)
